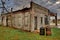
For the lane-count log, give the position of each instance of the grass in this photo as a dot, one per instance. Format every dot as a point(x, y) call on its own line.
point(7, 33)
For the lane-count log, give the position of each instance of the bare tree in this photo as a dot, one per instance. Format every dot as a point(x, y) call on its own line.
point(3, 6)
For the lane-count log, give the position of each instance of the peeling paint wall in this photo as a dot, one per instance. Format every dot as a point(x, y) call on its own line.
point(38, 11)
point(26, 20)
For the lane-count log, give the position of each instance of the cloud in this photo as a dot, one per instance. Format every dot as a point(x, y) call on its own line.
point(52, 5)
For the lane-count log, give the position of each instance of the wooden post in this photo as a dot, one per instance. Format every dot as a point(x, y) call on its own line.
point(48, 18)
point(56, 19)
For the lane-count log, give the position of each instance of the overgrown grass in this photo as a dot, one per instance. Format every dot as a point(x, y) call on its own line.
point(7, 33)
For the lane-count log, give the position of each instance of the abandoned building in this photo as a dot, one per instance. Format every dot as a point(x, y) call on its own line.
point(29, 19)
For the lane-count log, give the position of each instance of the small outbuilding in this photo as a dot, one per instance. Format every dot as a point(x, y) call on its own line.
point(29, 19)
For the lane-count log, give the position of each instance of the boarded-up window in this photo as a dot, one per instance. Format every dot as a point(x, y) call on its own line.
point(46, 20)
point(13, 20)
point(41, 20)
point(27, 18)
point(18, 19)
point(35, 22)
point(9, 20)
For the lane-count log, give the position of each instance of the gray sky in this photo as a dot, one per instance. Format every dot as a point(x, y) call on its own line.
point(52, 5)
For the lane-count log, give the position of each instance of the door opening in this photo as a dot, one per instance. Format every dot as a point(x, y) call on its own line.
point(35, 18)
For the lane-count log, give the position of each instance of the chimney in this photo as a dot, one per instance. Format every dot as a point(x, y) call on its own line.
point(11, 9)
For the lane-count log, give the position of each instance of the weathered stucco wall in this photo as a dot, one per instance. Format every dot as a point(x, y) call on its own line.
point(38, 11)
point(26, 19)
point(20, 20)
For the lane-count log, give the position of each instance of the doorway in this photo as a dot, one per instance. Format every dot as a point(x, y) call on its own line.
point(35, 18)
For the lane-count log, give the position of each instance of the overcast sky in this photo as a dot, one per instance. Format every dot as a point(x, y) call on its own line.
point(52, 5)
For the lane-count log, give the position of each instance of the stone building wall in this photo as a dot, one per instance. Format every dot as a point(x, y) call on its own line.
point(20, 20)
point(26, 19)
point(38, 11)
